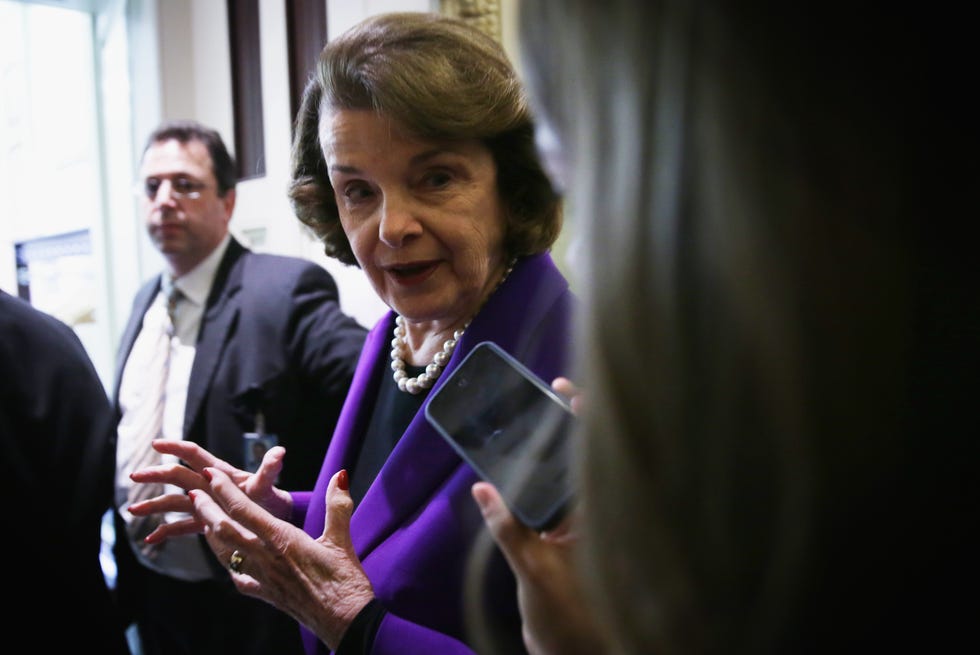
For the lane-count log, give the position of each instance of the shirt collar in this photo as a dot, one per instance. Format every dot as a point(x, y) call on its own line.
point(196, 283)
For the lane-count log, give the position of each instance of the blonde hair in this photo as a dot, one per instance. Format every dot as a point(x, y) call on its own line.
point(738, 176)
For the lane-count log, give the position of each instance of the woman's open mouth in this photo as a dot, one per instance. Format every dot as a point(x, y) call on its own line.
point(414, 273)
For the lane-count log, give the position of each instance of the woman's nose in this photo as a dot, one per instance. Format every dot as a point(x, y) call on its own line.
point(398, 220)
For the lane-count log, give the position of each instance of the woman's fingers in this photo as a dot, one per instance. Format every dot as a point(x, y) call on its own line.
point(166, 503)
point(193, 455)
point(514, 538)
point(269, 469)
point(567, 388)
point(223, 531)
point(187, 451)
point(166, 531)
point(175, 474)
point(241, 534)
point(234, 503)
point(231, 543)
point(507, 531)
point(564, 386)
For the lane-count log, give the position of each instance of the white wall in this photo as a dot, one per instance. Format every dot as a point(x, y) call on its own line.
point(50, 182)
point(195, 74)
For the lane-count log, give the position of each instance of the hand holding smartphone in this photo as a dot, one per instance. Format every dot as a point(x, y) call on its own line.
point(511, 428)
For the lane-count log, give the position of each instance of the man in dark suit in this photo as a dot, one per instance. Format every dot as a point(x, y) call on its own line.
point(257, 348)
point(57, 444)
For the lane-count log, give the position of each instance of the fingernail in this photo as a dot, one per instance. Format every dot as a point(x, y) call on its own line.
point(192, 494)
point(206, 472)
point(480, 499)
point(342, 482)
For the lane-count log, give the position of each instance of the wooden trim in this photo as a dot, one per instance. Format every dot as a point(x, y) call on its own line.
point(246, 87)
point(306, 34)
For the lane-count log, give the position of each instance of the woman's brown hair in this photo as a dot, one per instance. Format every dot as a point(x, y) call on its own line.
point(441, 79)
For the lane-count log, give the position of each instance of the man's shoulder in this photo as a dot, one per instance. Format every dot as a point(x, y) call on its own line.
point(282, 264)
point(31, 322)
point(282, 275)
point(35, 338)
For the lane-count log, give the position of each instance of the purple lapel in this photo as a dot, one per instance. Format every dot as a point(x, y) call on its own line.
point(351, 422)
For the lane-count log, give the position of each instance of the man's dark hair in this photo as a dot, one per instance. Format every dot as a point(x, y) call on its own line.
point(184, 131)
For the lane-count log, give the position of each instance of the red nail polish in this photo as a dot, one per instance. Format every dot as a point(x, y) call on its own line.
point(342, 482)
point(206, 472)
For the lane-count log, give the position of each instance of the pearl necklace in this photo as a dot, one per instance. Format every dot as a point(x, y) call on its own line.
point(426, 379)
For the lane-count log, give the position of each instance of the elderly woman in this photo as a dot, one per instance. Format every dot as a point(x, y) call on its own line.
point(414, 158)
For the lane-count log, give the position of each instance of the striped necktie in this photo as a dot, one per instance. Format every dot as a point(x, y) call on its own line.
point(151, 353)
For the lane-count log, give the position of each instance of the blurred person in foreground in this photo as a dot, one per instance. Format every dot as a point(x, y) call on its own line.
point(414, 158)
point(58, 443)
point(255, 347)
point(780, 332)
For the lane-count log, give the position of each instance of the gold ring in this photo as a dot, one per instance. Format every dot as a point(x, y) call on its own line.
point(236, 561)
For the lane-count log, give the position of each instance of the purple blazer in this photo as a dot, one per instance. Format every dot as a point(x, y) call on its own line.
point(415, 527)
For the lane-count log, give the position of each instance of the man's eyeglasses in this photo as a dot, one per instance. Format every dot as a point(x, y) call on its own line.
point(181, 188)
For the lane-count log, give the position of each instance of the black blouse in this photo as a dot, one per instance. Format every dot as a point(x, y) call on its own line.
point(393, 411)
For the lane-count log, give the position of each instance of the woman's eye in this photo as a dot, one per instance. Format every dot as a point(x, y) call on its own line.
point(436, 179)
point(356, 192)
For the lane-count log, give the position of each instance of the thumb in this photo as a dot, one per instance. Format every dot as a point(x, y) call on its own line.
point(340, 506)
point(507, 531)
point(271, 466)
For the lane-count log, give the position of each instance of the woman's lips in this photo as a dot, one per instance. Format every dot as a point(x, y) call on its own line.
point(412, 274)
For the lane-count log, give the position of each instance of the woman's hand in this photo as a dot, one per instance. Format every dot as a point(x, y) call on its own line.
point(258, 486)
point(319, 582)
point(556, 617)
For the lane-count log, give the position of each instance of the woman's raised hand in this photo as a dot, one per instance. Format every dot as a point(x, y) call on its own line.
point(188, 475)
point(319, 582)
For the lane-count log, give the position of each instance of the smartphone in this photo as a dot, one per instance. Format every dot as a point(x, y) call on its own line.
point(511, 428)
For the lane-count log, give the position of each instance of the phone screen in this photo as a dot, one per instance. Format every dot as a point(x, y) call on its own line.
point(512, 428)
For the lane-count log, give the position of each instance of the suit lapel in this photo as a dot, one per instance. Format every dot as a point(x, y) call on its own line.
point(217, 327)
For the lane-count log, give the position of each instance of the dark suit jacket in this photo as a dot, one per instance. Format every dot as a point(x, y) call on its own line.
point(272, 329)
point(57, 439)
point(417, 523)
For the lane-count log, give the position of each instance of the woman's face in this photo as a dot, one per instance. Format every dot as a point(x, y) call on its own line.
point(424, 218)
